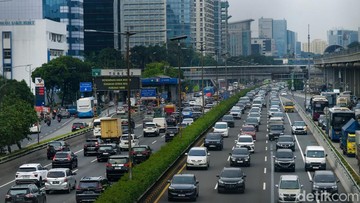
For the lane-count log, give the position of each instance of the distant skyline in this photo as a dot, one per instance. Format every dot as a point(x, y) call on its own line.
point(321, 15)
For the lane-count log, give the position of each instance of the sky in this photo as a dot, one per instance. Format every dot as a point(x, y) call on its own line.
point(320, 15)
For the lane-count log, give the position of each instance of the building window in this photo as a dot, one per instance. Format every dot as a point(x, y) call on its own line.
point(7, 53)
point(6, 35)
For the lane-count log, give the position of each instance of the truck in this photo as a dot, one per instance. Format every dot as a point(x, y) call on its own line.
point(357, 146)
point(111, 129)
point(347, 139)
point(289, 106)
point(343, 101)
point(169, 109)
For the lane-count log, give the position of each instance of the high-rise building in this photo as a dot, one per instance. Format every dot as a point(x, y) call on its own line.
point(101, 16)
point(342, 37)
point(280, 37)
point(68, 12)
point(291, 43)
point(221, 17)
point(317, 46)
point(240, 38)
point(266, 28)
point(266, 46)
point(145, 18)
point(203, 26)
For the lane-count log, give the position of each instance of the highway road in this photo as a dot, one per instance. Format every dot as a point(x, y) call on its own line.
point(261, 178)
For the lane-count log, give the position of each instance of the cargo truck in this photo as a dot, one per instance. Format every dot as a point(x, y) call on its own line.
point(357, 146)
point(347, 139)
point(111, 129)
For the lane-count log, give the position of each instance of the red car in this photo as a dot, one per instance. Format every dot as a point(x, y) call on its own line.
point(248, 130)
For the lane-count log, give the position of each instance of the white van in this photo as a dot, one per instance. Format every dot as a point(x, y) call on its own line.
point(315, 158)
point(161, 121)
point(96, 127)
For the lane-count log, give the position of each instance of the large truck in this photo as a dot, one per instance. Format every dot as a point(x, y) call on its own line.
point(347, 139)
point(357, 145)
point(111, 129)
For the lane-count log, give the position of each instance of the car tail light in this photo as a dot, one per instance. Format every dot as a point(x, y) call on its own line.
point(108, 165)
point(54, 158)
point(78, 188)
point(7, 196)
point(85, 146)
point(45, 180)
point(145, 152)
point(127, 165)
point(29, 195)
point(68, 157)
point(65, 180)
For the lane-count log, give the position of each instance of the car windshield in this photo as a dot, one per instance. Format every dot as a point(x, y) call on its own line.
point(88, 184)
point(273, 110)
point(240, 151)
point(105, 148)
point(150, 125)
point(285, 139)
point(61, 155)
point(289, 184)
point(351, 139)
point(197, 152)
point(228, 118)
point(247, 129)
point(213, 136)
point(324, 178)
point(182, 180)
point(139, 149)
point(124, 137)
point(276, 127)
point(26, 169)
point(55, 174)
point(235, 111)
point(245, 139)
point(122, 160)
point(251, 120)
point(18, 191)
point(230, 174)
point(254, 114)
point(282, 154)
point(278, 114)
point(77, 125)
point(315, 153)
point(220, 125)
point(55, 144)
point(299, 123)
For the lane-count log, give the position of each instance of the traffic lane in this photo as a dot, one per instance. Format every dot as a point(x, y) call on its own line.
point(304, 141)
point(256, 174)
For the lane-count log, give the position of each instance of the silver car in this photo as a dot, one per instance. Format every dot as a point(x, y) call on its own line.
point(60, 179)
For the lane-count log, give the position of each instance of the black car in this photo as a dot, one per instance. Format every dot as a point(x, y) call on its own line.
point(64, 113)
point(231, 180)
point(56, 146)
point(91, 146)
point(324, 181)
point(240, 156)
point(25, 193)
point(214, 140)
point(252, 121)
point(275, 130)
point(106, 150)
point(141, 153)
point(229, 119)
point(183, 186)
point(78, 126)
point(196, 114)
point(284, 159)
point(90, 188)
point(170, 120)
point(66, 159)
point(117, 166)
point(285, 142)
point(170, 132)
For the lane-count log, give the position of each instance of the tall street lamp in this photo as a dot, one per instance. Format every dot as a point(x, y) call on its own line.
point(202, 77)
point(178, 38)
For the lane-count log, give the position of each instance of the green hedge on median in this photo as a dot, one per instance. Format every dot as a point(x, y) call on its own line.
point(145, 174)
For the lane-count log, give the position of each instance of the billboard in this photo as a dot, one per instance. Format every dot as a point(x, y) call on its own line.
point(109, 83)
point(148, 92)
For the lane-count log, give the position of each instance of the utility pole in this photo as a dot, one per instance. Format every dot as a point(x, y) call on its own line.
point(308, 68)
point(217, 77)
point(202, 77)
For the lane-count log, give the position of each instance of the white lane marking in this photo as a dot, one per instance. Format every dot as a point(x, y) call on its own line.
point(7, 183)
point(154, 142)
point(233, 148)
point(138, 125)
point(265, 158)
point(75, 170)
point(264, 186)
point(79, 151)
point(228, 159)
point(93, 160)
point(265, 148)
point(272, 180)
point(265, 170)
point(216, 186)
point(162, 136)
point(266, 141)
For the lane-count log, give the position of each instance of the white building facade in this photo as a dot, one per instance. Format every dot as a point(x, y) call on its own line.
point(27, 44)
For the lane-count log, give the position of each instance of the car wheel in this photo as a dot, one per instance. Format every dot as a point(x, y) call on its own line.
point(47, 191)
point(276, 169)
point(69, 189)
point(169, 199)
point(74, 186)
point(40, 182)
point(44, 200)
point(293, 170)
point(306, 169)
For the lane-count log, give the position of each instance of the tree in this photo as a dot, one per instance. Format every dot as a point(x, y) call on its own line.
point(160, 68)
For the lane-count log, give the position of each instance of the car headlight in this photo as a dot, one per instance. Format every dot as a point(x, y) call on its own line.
point(281, 195)
point(281, 133)
point(246, 159)
point(171, 188)
point(233, 159)
point(315, 186)
point(334, 187)
point(220, 182)
point(240, 181)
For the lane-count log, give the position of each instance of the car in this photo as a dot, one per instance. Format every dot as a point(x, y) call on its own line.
point(35, 128)
point(31, 173)
point(284, 159)
point(322, 121)
point(252, 121)
point(275, 129)
point(170, 132)
point(289, 189)
point(315, 158)
point(56, 146)
point(91, 146)
point(147, 118)
point(171, 121)
point(214, 140)
point(120, 110)
point(324, 181)
point(285, 142)
point(231, 180)
point(248, 130)
point(236, 113)
point(240, 156)
point(60, 179)
point(78, 125)
point(280, 115)
point(72, 110)
point(187, 121)
point(151, 128)
point(283, 93)
point(246, 141)
point(105, 151)
point(125, 121)
point(197, 114)
point(229, 119)
point(65, 159)
point(299, 127)
point(273, 110)
point(221, 127)
point(255, 109)
point(25, 193)
point(90, 188)
point(183, 186)
point(124, 141)
point(255, 115)
point(198, 157)
point(276, 119)
point(141, 153)
point(64, 113)
point(117, 166)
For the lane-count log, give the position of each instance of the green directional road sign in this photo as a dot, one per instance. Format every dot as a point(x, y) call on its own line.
point(96, 72)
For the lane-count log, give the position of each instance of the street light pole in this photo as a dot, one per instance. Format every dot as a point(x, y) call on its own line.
point(202, 78)
point(217, 79)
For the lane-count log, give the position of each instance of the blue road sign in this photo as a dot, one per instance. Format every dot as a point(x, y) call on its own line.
point(85, 87)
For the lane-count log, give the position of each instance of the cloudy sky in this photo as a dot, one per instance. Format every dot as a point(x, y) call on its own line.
point(322, 15)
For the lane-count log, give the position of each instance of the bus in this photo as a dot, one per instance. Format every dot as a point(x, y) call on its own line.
point(338, 117)
point(331, 97)
point(317, 105)
point(85, 107)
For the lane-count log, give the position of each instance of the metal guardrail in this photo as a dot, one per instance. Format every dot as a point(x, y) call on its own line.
point(349, 183)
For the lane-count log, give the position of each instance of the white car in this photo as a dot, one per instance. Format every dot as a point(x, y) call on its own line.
point(34, 128)
point(187, 121)
point(246, 141)
point(272, 110)
point(289, 186)
point(151, 128)
point(221, 127)
point(236, 113)
point(198, 157)
point(120, 110)
point(31, 173)
point(283, 93)
point(124, 141)
point(62, 179)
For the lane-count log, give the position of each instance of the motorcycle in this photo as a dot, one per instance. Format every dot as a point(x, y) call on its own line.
point(48, 122)
point(59, 119)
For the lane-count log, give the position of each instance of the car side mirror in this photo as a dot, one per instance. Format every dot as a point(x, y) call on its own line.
point(230, 153)
point(276, 185)
point(311, 181)
point(301, 186)
point(294, 157)
point(325, 155)
point(235, 141)
point(186, 154)
point(197, 182)
point(304, 154)
point(208, 153)
point(244, 175)
point(274, 157)
point(169, 181)
point(337, 181)
point(218, 175)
